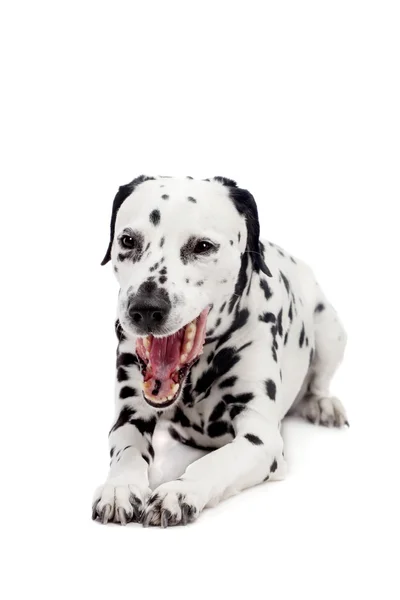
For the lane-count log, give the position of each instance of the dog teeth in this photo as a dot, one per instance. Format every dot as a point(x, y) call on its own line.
point(174, 389)
point(187, 347)
point(190, 331)
point(183, 358)
point(147, 343)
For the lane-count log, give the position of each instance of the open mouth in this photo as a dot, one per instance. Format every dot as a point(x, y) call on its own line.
point(167, 360)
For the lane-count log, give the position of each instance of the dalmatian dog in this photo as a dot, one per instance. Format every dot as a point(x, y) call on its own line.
point(220, 335)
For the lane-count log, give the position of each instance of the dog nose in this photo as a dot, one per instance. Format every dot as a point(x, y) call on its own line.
point(149, 309)
point(147, 317)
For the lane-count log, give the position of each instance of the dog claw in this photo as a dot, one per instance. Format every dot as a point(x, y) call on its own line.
point(165, 516)
point(185, 514)
point(122, 516)
point(105, 514)
point(347, 423)
point(147, 519)
point(94, 511)
point(136, 504)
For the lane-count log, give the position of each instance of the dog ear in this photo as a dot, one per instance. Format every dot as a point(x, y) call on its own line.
point(122, 194)
point(246, 206)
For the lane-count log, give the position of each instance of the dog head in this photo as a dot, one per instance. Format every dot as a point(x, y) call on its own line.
point(178, 247)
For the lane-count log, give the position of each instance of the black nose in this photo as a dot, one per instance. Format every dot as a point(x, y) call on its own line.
point(147, 317)
point(149, 311)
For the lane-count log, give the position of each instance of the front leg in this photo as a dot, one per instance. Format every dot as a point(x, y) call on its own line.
point(255, 455)
point(122, 497)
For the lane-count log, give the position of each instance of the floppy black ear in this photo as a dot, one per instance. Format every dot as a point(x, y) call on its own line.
point(122, 194)
point(246, 206)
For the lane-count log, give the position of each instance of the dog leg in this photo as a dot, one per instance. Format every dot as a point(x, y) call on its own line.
point(123, 496)
point(318, 405)
point(255, 455)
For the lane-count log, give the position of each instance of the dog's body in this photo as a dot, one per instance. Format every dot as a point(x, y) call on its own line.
point(272, 345)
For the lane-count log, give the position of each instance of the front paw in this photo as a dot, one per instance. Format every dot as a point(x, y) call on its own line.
point(119, 503)
point(174, 503)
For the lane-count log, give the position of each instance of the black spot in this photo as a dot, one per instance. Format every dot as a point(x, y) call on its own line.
point(151, 451)
point(239, 237)
point(147, 247)
point(222, 307)
point(286, 282)
point(266, 478)
point(307, 341)
point(154, 267)
point(274, 466)
point(241, 282)
point(112, 451)
point(210, 357)
point(279, 327)
point(281, 253)
point(179, 438)
point(286, 337)
point(122, 375)
point(240, 320)
point(162, 242)
point(266, 289)
point(236, 410)
point(189, 177)
point(119, 331)
point(163, 271)
point(311, 355)
point(123, 418)
point(217, 429)
point(187, 280)
point(200, 283)
point(115, 269)
point(293, 261)
point(180, 417)
point(144, 426)
point(162, 279)
point(271, 389)
point(253, 439)
point(126, 359)
point(238, 399)
point(229, 382)
point(290, 313)
point(127, 392)
point(155, 216)
point(146, 458)
point(156, 388)
point(191, 199)
point(319, 308)
point(302, 336)
point(197, 428)
point(218, 323)
point(267, 317)
point(218, 411)
point(222, 364)
point(231, 242)
point(165, 197)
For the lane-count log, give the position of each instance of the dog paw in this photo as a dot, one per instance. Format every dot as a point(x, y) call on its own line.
point(173, 503)
point(327, 411)
point(119, 503)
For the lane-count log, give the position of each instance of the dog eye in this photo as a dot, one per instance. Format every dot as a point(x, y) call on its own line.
point(127, 242)
point(202, 246)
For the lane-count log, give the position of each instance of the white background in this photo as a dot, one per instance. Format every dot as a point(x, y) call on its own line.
point(297, 101)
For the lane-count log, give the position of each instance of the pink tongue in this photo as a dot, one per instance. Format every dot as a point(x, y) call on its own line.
point(165, 355)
